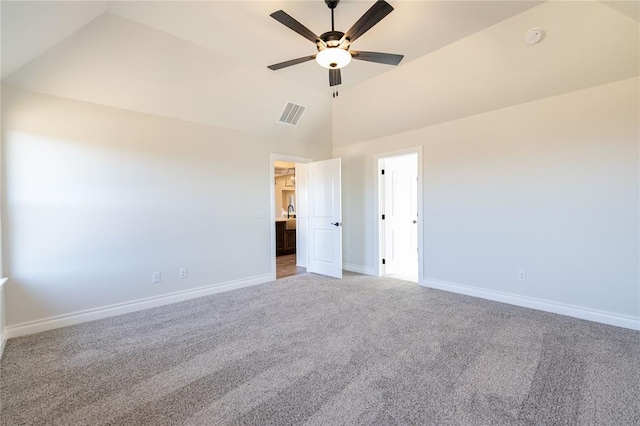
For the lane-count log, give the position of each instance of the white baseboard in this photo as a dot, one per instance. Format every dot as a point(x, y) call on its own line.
point(3, 342)
point(358, 269)
point(58, 321)
point(539, 304)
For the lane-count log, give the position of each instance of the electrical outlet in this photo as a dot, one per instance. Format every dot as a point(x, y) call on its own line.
point(522, 276)
point(184, 273)
point(156, 277)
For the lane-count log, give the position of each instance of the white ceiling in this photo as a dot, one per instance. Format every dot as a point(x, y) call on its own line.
point(244, 30)
point(29, 28)
point(586, 44)
point(118, 62)
point(205, 61)
point(631, 8)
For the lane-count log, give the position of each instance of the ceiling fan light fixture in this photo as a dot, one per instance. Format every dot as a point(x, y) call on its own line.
point(333, 58)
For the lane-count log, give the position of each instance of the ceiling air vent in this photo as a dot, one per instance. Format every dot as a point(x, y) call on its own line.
point(291, 114)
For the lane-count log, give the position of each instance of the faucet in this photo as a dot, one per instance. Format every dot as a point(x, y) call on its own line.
point(290, 210)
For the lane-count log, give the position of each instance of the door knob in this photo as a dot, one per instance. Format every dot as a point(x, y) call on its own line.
point(336, 224)
point(415, 221)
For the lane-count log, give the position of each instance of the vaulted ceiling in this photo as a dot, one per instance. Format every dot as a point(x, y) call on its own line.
point(586, 44)
point(205, 61)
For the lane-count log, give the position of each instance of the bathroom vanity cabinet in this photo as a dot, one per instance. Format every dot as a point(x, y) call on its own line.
point(285, 237)
point(280, 231)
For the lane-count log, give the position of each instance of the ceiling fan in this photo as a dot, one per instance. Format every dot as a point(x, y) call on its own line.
point(334, 46)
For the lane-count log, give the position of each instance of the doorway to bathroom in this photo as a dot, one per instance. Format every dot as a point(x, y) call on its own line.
point(286, 222)
point(317, 207)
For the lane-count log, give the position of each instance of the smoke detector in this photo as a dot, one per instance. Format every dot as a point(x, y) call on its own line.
point(533, 36)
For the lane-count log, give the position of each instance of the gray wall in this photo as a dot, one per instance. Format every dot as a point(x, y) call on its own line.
point(96, 199)
point(550, 187)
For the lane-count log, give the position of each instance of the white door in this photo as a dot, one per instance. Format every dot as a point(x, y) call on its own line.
point(325, 217)
point(400, 196)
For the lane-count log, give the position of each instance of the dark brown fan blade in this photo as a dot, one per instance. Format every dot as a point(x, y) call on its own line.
point(285, 19)
point(379, 10)
point(335, 77)
point(381, 58)
point(291, 62)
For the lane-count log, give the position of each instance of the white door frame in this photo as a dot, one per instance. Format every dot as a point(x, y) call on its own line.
point(377, 228)
point(272, 200)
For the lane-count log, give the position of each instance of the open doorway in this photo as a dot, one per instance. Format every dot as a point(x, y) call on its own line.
point(286, 208)
point(317, 207)
point(288, 188)
point(398, 206)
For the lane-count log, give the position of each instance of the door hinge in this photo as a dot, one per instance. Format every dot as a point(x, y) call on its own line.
point(382, 171)
point(384, 261)
point(382, 217)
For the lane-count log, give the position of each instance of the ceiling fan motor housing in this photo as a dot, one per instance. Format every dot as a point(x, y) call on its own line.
point(332, 39)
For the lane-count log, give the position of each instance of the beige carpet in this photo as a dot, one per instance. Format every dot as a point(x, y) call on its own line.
point(315, 350)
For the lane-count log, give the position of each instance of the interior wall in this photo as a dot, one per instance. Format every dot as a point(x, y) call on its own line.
point(96, 199)
point(549, 187)
point(3, 320)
